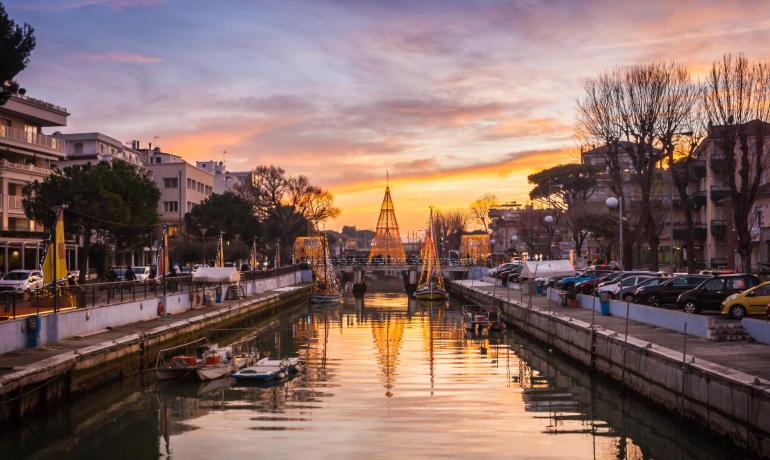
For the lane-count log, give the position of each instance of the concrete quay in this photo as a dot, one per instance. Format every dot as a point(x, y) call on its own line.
point(30, 380)
point(723, 387)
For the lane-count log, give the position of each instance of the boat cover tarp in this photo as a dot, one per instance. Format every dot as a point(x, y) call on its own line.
point(216, 275)
point(538, 268)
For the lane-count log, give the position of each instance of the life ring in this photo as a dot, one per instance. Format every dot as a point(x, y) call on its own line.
point(161, 309)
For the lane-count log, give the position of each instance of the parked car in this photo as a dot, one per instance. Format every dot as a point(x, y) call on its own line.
point(710, 294)
point(625, 281)
point(21, 280)
point(501, 267)
point(588, 287)
point(141, 272)
point(667, 293)
point(627, 292)
point(513, 274)
point(752, 301)
point(571, 281)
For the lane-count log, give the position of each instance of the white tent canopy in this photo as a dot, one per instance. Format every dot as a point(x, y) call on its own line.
point(538, 268)
point(216, 275)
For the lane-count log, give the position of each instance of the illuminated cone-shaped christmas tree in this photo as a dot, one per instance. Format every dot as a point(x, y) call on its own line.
point(387, 241)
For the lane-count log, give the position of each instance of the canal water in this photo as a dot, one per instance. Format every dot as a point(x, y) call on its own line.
point(385, 377)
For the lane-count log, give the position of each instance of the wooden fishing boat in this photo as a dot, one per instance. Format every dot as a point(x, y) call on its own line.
point(430, 287)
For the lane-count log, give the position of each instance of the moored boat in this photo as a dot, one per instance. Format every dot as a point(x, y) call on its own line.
point(482, 316)
point(181, 366)
point(430, 286)
point(220, 362)
point(267, 370)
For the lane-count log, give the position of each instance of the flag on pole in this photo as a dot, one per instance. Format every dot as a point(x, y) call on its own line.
point(55, 261)
point(161, 259)
point(220, 253)
point(253, 258)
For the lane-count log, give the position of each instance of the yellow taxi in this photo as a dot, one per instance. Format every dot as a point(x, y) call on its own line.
point(752, 301)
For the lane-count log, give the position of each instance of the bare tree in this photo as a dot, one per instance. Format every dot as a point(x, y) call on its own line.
point(448, 228)
point(637, 112)
point(736, 100)
point(480, 209)
point(289, 205)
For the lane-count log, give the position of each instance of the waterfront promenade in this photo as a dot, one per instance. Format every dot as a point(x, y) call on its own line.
point(33, 377)
point(728, 357)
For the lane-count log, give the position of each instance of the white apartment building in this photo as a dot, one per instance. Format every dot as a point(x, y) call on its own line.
point(224, 181)
point(26, 155)
point(181, 185)
point(92, 148)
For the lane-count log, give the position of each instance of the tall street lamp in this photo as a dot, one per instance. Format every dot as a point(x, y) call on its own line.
point(613, 203)
point(549, 226)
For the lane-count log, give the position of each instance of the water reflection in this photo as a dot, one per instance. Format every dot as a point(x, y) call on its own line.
point(384, 377)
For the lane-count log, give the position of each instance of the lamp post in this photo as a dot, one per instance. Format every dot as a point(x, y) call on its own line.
point(549, 226)
point(613, 203)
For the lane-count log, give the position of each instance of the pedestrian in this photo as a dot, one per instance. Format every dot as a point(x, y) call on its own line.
point(130, 275)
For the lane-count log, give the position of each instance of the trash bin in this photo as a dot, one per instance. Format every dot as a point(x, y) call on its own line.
point(604, 304)
point(219, 294)
point(32, 328)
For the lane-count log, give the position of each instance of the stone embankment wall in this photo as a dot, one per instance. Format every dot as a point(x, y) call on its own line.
point(723, 400)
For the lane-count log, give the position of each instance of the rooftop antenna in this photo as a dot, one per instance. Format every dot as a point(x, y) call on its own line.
point(387, 178)
point(224, 157)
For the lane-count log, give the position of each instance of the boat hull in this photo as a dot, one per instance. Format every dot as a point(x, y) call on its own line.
point(430, 294)
point(175, 373)
point(218, 371)
point(320, 298)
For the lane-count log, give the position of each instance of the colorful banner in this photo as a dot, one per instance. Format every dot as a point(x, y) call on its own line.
point(55, 261)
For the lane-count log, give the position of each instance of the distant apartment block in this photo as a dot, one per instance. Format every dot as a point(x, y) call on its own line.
point(26, 155)
point(224, 181)
point(92, 148)
point(181, 185)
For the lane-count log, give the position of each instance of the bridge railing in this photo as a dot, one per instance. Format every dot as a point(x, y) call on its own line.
point(412, 261)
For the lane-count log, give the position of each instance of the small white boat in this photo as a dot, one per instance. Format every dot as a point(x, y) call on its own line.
point(220, 362)
point(267, 370)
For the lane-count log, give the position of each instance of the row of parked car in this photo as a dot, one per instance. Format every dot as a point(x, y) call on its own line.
point(733, 294)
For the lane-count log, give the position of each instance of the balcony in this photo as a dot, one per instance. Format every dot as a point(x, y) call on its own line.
point(20, 167)
point(27, 138)
point(21, 234)
point(719, 193)
point(718, 229)
point(15, 202)
point(696, 200)
point(698, 169)
point(680, 230)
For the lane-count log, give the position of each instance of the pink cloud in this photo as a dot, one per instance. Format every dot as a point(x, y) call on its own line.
point(122, 58)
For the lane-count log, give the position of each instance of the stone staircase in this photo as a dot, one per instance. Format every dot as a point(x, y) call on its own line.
point(721, 330)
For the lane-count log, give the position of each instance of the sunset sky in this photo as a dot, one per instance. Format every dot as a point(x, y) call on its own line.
point(454, 98)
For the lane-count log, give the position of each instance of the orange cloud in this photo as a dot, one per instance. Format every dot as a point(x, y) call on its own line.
point(449, 188)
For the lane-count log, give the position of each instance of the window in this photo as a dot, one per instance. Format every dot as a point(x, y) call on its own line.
point(680, 281)
point(189, 206)
point(78, 147)
point(763, 291)
point(694, 281)
point(102, 149)
point(170, 206)
point(208, 190)
point(170, 182)
point(173, 230)
point(716, 284)
point(200, 187)
point(629, 281)
point(190, 184)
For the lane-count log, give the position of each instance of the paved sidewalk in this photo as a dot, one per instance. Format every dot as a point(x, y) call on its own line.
point(749, 358)
point(16, 360)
